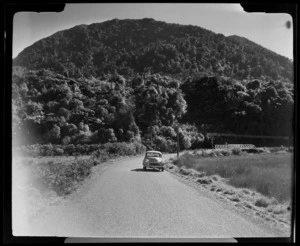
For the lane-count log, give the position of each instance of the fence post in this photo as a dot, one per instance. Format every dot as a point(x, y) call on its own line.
point(178, 141)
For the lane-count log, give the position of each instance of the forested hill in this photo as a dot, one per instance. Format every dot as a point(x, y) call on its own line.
point(135, 80)
point(137, 46)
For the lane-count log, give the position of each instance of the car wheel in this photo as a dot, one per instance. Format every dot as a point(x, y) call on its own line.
point(144, 168)
point(162, 169)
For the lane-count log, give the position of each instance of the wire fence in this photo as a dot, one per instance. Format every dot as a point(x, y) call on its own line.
point(232, 146)
point(225, 140)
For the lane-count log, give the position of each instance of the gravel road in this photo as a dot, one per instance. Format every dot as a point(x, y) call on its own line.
point(122, 200)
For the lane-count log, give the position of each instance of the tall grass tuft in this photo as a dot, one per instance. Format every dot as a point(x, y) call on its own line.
point(62, 177)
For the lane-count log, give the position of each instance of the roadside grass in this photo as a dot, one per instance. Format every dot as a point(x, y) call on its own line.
point(55, 150)
point(270, 174)
point(61, 174)
point(50, 174)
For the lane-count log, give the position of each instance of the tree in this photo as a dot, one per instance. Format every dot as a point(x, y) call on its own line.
point(106, 135)
point(137, 81)
point(184, 140)
point(34, 112)
point(75, 103)
point(64, 112)
point(53, 135)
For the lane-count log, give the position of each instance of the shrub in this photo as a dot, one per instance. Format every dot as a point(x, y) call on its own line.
point(184, 171)
point(118, 149)
point(276, 149)
point(205, 153)
point(229, 192)
point(46, 150)
point(177, 162)
point(198, 153)
point(218, 153)
point(81, 149)
point(95, 161)
point(262, 202)
point(212, 154)
point(235, 199)
point(236, 151)
point(204, 181)
point(66, 140)
point(58, 151)
point(226, 152)
point(69, 149)
point(161, 144)
point(254, 150)
point(139, 148)
point(283, 148)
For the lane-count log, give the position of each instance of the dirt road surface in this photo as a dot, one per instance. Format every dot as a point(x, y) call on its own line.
point(122, 200)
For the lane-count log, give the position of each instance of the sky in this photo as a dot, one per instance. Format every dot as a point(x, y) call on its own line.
point(268, 30)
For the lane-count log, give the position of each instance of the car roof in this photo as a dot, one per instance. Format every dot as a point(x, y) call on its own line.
point(153, 151)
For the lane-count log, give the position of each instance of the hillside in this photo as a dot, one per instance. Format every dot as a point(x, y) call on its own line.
point(137, 46)
point(134, 80)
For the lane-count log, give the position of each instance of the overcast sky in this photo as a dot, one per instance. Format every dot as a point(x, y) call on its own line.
point(268, 30)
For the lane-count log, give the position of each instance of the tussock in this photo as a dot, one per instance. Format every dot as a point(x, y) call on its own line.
point(262, 202)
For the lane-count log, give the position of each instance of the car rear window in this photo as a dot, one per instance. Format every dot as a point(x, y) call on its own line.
point(153, 155)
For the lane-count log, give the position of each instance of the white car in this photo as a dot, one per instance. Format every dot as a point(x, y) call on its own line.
point(153, 159)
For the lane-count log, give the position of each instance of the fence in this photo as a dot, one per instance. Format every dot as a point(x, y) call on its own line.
point(232, 146)
point(220, 140)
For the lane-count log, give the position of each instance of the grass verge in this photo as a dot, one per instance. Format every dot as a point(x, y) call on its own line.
point(269, 174)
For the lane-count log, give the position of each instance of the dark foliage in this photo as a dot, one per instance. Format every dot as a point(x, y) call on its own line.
point(220, 104)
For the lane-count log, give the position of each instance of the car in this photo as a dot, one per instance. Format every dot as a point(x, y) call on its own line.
point(153, 159)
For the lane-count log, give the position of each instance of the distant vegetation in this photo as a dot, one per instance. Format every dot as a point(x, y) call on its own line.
point(134, 80)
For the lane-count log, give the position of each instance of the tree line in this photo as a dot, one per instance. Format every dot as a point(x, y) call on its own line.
point(48, 107)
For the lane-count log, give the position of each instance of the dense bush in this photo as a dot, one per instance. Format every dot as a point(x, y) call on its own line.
point(223, 104)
